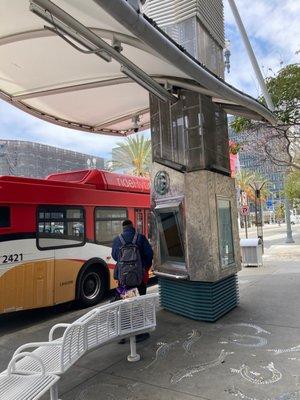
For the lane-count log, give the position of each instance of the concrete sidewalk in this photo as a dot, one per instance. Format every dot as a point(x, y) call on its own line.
point(253, 353)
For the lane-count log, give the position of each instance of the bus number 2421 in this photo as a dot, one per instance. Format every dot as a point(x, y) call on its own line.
point(12, 258)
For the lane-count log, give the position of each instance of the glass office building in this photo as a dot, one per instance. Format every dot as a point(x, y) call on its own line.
point(35, 160)
point(255, 162)
point(197, 25)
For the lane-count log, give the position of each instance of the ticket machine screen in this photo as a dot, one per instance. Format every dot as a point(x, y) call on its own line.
point(171, 235)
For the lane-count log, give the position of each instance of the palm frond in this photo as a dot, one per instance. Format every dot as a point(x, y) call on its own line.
point(133, 155)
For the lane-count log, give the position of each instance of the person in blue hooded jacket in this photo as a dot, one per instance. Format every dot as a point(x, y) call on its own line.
point(145, 251)
point(146, 256)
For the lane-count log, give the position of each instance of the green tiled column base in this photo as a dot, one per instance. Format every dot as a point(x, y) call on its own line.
point(205, 301)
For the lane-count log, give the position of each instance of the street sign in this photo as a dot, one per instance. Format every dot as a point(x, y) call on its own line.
point(270, 203)
point(245, 210)
point(244, 198)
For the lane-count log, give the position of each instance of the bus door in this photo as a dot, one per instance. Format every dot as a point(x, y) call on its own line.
point(139, 216)
point(143, 221)
point(62, 231)
point(69, 253)
point(143, 225)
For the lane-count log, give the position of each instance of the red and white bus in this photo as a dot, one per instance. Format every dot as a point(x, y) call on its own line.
point(56, 235)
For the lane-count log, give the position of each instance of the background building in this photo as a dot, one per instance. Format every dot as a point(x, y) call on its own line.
point(197, 25)
point(37, 160)
point(248, 160)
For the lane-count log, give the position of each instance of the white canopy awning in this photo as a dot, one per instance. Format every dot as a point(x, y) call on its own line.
point(52, 67)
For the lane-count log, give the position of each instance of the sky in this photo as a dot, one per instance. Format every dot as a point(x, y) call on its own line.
point(273, 29)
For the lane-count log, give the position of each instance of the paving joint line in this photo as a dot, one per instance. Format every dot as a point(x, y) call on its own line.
point(87, 368)
point(278, 326)
point(97, 372)
point(76, 386)
point(112, 365)
point(159, 387)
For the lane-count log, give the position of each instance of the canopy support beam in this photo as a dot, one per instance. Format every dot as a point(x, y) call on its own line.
point(123, 118)
point(142, 27)
point(64, 22)
point(163, 80)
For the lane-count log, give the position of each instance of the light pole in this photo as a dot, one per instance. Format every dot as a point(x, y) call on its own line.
point(274, 197)
point(257, 187)
point(289, 233)
point(227, 55)
point(244, 203)
point(251, 54)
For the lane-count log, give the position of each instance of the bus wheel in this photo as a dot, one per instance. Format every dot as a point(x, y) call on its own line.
point(92, 287)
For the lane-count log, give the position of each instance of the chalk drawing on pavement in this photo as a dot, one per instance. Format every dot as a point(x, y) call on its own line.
point(284, 396)
point(193, 337)
point(257, 328)
point(189, 372)
point(281, 351)
point(247, 340)
point(162, 352)
point(257, 378)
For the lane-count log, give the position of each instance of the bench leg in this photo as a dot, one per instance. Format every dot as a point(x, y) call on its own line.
point(133, 356)
point(54, 392)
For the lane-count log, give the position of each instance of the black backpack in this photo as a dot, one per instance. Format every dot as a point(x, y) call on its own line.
point(131, 270)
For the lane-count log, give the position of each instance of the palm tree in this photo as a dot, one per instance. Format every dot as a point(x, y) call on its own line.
point(133, 155)
point(245, 181)
point(265, 191)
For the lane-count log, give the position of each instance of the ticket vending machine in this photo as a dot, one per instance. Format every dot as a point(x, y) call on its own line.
point(195, 238)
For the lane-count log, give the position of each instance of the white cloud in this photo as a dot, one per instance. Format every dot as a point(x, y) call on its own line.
point(275, 22)
point(83, 142)
point(273, 29)
point(16, 124)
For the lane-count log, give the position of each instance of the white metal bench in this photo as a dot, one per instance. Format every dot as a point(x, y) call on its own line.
point(120, 319)
point(102, 327)
point(56, 355)
point(124, 318)
point(16, 386)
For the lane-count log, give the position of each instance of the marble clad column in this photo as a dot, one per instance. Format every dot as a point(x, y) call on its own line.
point(193, 196)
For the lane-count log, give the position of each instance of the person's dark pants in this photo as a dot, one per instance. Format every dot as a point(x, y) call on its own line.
point(142, 289)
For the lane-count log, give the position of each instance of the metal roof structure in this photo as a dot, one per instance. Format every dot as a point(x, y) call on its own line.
point(90, 65)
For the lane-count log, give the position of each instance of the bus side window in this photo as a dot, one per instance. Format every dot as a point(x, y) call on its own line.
point(60, 227)
point(4, 217)
point(108, 224)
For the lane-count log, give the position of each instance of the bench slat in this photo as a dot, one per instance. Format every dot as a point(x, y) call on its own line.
point(25, 387)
